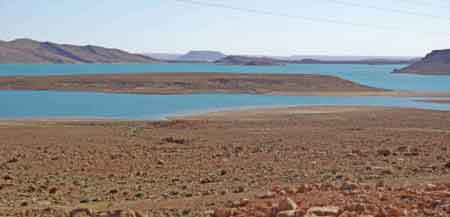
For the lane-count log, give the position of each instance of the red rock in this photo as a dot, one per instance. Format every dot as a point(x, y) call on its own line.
point(323, 211)
point(81, 213)
point(223, 213)
point(287, 204)
point(267, 195)
point(289, 213)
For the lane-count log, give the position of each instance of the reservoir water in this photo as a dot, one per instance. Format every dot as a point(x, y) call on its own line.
point(372, 75)
point(51, 104)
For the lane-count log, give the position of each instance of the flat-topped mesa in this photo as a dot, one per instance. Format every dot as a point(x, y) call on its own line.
point(31, 51)
point(183, 83)
point(201, 56)
point(250, 61)
point(435, 63)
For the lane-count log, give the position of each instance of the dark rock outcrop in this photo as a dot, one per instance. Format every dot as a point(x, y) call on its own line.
point(435, 63)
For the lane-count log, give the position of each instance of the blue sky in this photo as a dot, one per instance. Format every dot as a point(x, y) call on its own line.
point(171, 26)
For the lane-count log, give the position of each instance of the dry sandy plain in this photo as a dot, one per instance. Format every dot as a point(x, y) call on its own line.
point(353, 161)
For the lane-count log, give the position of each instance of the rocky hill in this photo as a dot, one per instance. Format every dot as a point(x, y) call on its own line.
point(31, 51)
point(201, 56)
point(435, 63)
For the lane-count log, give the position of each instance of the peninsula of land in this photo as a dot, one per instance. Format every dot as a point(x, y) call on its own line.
point(435, 63)
point(188, 83)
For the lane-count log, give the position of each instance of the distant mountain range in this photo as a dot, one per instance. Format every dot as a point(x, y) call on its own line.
point(436, 63)
point(348, 58)
point(31, 51)
point(362, 61)
point(220, 58)
point(249, 60)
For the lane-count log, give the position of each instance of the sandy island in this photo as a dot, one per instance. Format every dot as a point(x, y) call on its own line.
point(243, 162)
point(185, 83)
point(194, 83)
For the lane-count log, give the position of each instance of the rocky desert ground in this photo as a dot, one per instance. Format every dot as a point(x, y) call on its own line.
point(311, 161)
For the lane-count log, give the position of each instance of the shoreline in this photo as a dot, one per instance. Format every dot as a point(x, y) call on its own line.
point(439, 101)
point(230, 112)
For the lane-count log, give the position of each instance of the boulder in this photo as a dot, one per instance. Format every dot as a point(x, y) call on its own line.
point(287, 204)
point(327, 211)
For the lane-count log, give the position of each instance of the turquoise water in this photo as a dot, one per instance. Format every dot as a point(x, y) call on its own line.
point(372, 75)
point(51, 104)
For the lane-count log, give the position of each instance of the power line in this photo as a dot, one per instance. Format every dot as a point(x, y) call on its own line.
point(427, 3)
point(296, 17)
point(304, 18)
point(391, 10)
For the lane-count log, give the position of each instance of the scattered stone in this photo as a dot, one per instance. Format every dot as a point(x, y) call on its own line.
point(209, 213)
point(238, 190)
point(186, 212)
point(267, 195)
point(240, 203)
point(349, 186)
point(7, 178)
point(85, 200)
point(223, 213)
point(289, 213)
point(323, 211)
point(175, 140)
point(431, 187)
point(12, 160)
point(206, 180)
point(44, 203)
point(384, 152)
point(119, 213)
point(287, 204)
point(82, 212)
point(290, 190)
point(139, 195)
point(447, 165)
point(53, 190)
point(187, 194)
point(382, 170)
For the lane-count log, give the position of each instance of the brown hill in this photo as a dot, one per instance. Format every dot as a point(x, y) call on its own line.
point(435, 63)
point(30, 51)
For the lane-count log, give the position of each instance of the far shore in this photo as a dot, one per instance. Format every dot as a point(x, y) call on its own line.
point(441, 101)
